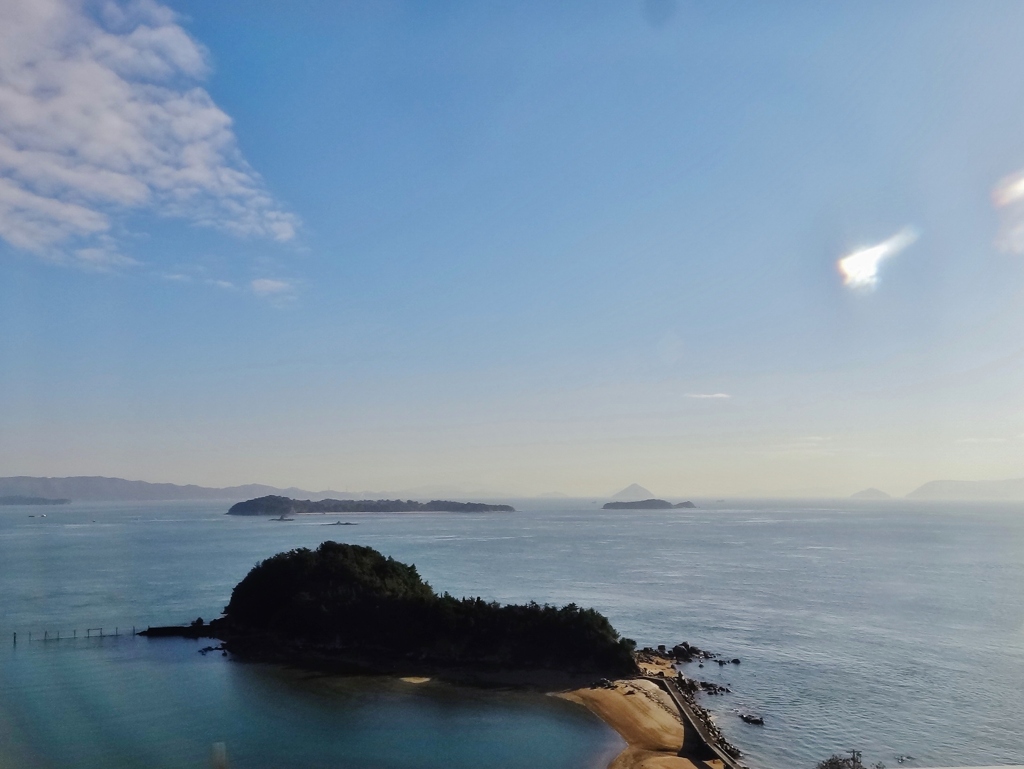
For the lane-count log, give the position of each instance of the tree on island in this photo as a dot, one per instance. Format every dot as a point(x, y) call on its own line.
point(352, 598)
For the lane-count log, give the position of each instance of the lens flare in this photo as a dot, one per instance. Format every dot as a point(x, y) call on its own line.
point(1009, 190)
point(1008, 199)
point(860, 269)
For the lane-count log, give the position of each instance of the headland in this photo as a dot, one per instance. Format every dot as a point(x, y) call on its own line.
point(347, 609)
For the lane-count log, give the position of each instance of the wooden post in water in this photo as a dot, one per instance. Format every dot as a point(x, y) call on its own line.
point(74, 634)
point(46, 633)
point(220, 756)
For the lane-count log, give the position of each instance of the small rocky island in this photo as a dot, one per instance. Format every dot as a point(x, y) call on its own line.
point(21, 500)
point(282, 506)
point(646, 504)
point(347, 608)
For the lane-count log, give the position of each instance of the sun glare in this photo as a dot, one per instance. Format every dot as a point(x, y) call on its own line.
point(860, 268)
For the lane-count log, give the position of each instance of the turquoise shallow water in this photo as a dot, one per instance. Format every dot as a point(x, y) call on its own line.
point(896, 628)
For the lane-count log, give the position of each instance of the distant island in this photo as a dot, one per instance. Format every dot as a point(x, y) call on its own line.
point(22, 500)
point(646, 504)
point(281, 506)
point(349, 608)
point(870, 494)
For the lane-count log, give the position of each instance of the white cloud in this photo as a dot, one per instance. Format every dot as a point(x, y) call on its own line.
point(860, 268)
point(708, 395)
point(102, 258)
point(267, 287)
point(102, 113)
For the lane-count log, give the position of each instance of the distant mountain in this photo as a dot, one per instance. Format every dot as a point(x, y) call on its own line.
point(99, 489)
point(633, 493)
point(871, 493)
point(1012, 489)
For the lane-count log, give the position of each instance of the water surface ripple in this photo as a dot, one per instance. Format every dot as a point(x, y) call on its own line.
point(896, 628)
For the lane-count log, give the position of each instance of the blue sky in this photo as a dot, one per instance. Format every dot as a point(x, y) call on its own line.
point(506, 247)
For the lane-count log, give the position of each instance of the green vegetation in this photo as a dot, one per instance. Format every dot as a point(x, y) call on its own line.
point(646, 504)
point(353, 599)
point(276, 505)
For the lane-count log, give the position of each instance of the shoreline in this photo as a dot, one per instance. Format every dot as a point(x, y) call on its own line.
point(654, 710)
point(659, 734)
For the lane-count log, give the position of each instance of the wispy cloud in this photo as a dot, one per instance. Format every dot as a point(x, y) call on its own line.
point(279, 293)
point(102, 114)
point(102, 258)
point(860, 268)
point(708, 395)
point(268, 287)
point(808, 444)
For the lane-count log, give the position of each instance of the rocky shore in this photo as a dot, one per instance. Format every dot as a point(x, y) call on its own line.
point(658, 716)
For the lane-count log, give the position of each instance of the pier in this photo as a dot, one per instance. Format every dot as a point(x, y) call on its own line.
point(48, 636)
point(689, 716)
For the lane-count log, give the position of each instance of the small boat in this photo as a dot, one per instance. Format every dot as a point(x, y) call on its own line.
point(282, 518)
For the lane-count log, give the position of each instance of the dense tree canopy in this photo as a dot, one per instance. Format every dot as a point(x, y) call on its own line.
point(353, 597)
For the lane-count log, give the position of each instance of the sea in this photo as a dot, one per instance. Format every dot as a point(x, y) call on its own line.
point(895, 628)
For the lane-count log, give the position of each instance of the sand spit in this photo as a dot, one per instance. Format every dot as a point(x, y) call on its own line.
point(648, 720)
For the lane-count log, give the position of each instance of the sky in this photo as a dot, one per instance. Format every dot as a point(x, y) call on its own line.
point(513, 248)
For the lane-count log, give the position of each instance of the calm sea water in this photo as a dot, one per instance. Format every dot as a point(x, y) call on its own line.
point(896, 628)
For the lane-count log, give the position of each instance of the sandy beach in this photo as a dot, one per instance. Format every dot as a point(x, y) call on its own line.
point(647, 719)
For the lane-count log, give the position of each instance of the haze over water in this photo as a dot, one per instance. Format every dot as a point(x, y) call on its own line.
point(893, 627)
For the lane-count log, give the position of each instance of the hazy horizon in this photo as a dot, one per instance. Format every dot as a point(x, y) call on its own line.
point(717, 250)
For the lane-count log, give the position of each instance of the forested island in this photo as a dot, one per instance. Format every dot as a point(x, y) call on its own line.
point(23, 500)
point(349, 608)
point(646, 504)
point(276, 505)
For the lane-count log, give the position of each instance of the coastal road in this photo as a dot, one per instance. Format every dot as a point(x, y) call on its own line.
point(684, 707)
